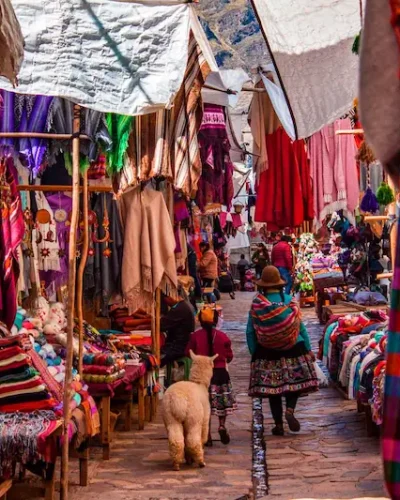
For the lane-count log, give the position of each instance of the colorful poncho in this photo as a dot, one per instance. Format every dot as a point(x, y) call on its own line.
point(277, 325)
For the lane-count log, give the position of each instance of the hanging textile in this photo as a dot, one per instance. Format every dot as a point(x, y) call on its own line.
point(334, 171)
point(216, 182)
point(391, 420)
point(149, 245)
point(147, 153)
point(102, 277)
point(93, 125)
point(11, 234)
point(186, 119)
point(119, 127)
point(26, 113)
point(279, 193)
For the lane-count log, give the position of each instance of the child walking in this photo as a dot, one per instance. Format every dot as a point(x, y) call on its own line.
point(207, 342)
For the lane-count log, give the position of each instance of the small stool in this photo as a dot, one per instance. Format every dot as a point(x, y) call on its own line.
point(187, 363)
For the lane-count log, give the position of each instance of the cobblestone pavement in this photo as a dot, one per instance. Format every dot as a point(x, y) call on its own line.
point(331, 458)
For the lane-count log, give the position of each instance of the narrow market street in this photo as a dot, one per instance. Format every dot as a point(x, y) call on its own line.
point(331, 458)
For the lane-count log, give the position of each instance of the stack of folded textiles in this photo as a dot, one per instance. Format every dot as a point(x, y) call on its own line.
point(22, 387)
point(123, 321)
point(103, 368)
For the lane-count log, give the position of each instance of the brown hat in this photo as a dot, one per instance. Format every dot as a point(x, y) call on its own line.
point(270, 278)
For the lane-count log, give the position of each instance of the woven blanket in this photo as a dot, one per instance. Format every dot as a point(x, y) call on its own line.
point(277, 325)
point(18, 375)
point(391, 412)
point(9, 352)
point(103, 379)
point(20, 386)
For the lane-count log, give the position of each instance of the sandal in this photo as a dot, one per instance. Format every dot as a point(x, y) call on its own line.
point(278, 430)
point(224, 435)
point(293, 423)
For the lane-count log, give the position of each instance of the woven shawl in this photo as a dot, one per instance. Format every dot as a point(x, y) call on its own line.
point(391, 412)
point(149, 244)
point(277, 325)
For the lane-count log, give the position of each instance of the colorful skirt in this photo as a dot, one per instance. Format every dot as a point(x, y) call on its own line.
point(222, 397)
point(275, 373)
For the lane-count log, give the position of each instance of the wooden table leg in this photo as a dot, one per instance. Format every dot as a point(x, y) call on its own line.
point(147, 408)
point(84, 467)
point(50, 485)
point(129, 413)
point(141, 405)
point(106, 426)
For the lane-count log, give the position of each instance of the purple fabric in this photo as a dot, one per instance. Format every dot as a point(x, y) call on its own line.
point(57, 201)
point(369, 203)
point(23, 113)
point(34, 119)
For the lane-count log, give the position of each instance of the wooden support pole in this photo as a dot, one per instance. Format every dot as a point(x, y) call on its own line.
point(66, 189)
point(40, 135)
point(157, 332)
point(393, 232)
point(82, 265)
point(71, 299)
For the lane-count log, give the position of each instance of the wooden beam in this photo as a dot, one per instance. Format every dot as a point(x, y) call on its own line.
point(353, 131)
point(40, 135)
point(82, 265)
point(67, 189)
point(71, 300)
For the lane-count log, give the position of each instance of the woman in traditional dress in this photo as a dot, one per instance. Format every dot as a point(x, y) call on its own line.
point(282, 361)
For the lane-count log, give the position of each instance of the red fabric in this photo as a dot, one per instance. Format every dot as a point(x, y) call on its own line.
point(279, 194)
point(19, 386)
point(281, 255)
point(14, 365)
point(45, 404)
point(198, 343)
point(10, 352)
point(306, 183)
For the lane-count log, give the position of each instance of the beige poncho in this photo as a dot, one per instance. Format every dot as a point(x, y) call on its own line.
point(149, 245)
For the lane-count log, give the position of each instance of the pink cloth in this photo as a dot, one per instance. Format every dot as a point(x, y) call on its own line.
point(334, 171)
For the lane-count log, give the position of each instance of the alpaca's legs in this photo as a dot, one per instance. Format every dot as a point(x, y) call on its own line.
point(176, 444)
point(206, 430)
point(194, 445)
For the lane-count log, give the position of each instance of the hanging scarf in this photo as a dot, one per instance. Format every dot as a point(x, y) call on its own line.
point(391, 420)
point(277, 325)
point(119, 127)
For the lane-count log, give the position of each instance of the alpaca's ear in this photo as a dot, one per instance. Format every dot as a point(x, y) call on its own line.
point(214, 357)
point(192, 355)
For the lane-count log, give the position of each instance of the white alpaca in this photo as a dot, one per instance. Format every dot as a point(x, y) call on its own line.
point(186, 413)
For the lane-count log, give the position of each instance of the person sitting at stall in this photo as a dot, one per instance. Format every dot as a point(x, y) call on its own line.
point(208, 265)
point(178, 323)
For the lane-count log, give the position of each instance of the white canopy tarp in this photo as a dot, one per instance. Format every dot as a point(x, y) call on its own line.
point(109, 56)
point(311, 42)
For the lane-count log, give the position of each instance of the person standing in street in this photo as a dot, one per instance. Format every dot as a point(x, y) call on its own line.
point(282, 363)
point(260, 259)
point(208, 265)
point(242, 266)
point(282, 258)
